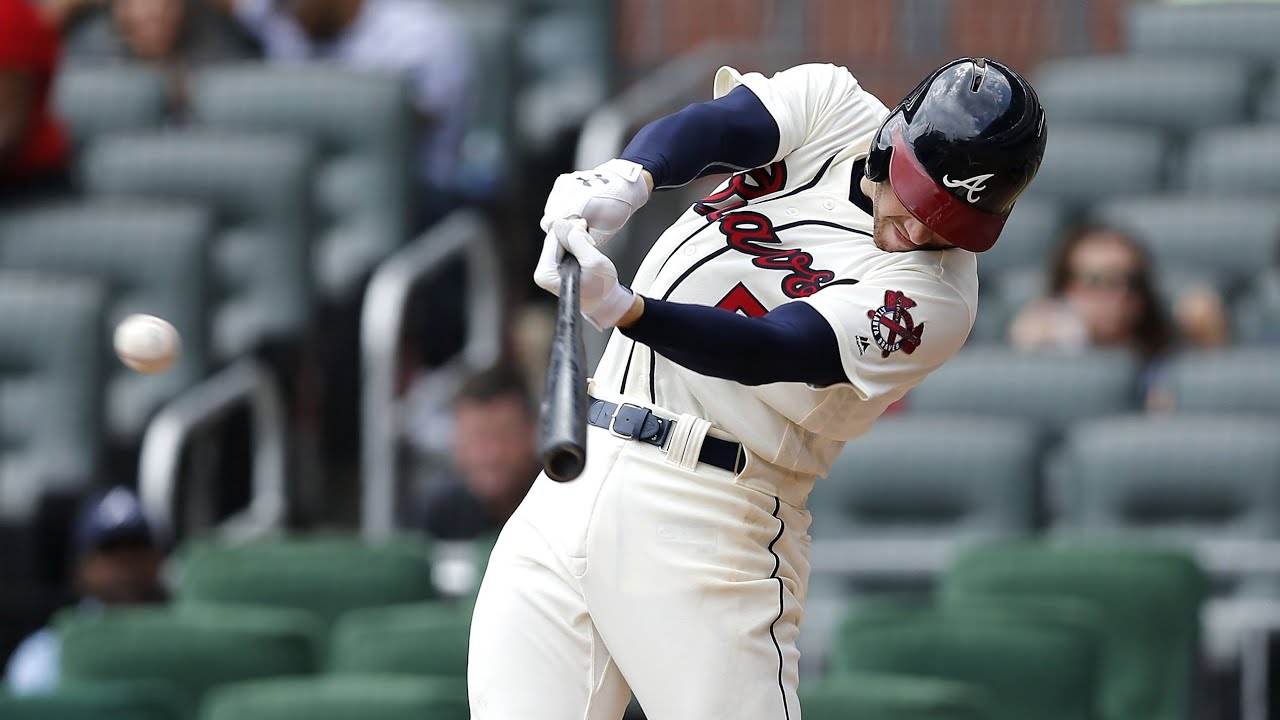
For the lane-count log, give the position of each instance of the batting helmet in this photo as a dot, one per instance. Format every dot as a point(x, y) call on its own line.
point(960, 149)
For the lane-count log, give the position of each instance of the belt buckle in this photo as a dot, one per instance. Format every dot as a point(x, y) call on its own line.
point(614, 418)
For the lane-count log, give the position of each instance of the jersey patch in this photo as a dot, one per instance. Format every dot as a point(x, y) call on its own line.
point(752, 233)
point(892, 326)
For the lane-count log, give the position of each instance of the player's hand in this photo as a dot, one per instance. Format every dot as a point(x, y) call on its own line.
point(604, 301)
point(604, 198)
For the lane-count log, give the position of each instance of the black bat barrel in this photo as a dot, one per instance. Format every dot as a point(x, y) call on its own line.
point(563, 428)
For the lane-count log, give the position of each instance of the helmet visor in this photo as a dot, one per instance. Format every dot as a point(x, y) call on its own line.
point(954, 220)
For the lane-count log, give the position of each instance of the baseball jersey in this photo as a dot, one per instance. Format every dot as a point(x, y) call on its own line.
point(787, 232)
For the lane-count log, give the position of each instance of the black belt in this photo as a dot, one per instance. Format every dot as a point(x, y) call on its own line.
point(634, 422)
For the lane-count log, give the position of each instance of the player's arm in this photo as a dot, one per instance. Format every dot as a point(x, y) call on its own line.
point(792, 343)
point(731, 133)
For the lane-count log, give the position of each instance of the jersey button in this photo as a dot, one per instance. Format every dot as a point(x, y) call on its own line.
point(690, 250)
point(793, 211)
point(829, 204)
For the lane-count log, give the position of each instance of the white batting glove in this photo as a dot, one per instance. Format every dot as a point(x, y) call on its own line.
point(604, 301)
point(604, 197)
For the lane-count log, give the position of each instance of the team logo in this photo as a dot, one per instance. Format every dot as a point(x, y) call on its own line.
point(892, 326)
point(972, 186)
point(864, 342)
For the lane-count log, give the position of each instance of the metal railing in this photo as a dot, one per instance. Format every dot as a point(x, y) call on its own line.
point(244, 383)
point(382, 319)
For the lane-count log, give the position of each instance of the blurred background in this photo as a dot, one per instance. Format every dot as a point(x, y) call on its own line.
point(336, 202)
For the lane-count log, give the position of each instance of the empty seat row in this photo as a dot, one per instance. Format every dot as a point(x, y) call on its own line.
point(1093, 161)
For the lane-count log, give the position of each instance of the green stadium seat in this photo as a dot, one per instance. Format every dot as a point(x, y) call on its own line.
point(1086, 163)
point(1146, 603)
point(363, 124)
point(1234, 380)
point(139, 700)
point(1171, 478)
point(1242, 161)
point(1030, 669)
point(104, 99)
point(494, 30)
point(1269, 102)
point(258, 188)
point(874, 696)
point(340, 697)
point(1174, 229)
point(1050, 390)
point(325, 575)
point(1204, 30)
point(421, 639)
point(52, 335)
point(152, 259)
point(194, 649)
point(1167, 93)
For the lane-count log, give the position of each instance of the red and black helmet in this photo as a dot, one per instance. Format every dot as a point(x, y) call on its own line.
point(960, 149)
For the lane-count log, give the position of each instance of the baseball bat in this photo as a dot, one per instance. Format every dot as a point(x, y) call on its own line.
point(563, 427)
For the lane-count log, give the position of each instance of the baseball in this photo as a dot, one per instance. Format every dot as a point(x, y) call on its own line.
point(146, 343)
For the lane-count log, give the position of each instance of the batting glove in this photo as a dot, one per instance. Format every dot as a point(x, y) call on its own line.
point(604, 197)
point(604, 300)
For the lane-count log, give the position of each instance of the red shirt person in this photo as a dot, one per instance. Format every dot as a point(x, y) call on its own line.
point(33, 146)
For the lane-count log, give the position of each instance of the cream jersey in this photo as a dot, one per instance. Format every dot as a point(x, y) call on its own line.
point(788, 232)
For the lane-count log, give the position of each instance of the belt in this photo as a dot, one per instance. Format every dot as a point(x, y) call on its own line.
point(634, 422)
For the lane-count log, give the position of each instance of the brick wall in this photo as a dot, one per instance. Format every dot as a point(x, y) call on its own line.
point(889, 44)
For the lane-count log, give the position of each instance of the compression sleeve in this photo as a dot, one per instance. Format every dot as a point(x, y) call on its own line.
point(731, 133)
point(793, 343)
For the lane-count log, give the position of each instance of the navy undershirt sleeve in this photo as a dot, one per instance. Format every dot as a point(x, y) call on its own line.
point(792, 343)
point(731, 133)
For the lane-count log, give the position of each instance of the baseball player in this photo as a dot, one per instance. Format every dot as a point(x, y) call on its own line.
point(770, 324)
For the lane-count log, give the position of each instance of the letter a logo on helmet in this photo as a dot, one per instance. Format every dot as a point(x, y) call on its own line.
point(961, 148)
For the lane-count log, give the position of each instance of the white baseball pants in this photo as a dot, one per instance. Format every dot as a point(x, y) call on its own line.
point(680, 585)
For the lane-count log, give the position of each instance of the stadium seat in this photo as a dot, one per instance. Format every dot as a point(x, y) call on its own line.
point(1240, 161)
point(1030, 669)
point(97, 701)
point(1234, 380)
point(1145, 602)
point(877, 696)
point(103, 99)
point(1258, 309)
point(339, 697)
point(1028, 238)
point(193, 649)
point(1204, 30)
point(365, 127)
point(1227, 236)
point(1049, 390)
point(1169, 93)
point(52, 335)
point(1269, 102)
point(1170, 478)
point(151, 259)
point(485, 165)
point(951, 477)
point(1086, 163)
point(324, 575)
point(258, 188)
point(421, 639)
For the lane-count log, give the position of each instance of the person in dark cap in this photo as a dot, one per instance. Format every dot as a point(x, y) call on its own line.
point(118, 562)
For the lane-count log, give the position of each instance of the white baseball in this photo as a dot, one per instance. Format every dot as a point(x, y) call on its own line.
point(146, 343)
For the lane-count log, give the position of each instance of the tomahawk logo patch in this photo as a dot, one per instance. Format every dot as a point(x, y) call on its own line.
point(892, 326)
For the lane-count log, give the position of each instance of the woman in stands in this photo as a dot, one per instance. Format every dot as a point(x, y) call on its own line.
point(1102, 293)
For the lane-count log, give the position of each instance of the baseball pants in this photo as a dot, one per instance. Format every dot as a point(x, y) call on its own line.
point(679, 584)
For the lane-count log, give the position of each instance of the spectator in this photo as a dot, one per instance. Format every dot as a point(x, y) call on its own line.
point(420, 39)
point(118, 562)
point(172, 35)
point(33, 146)
point(494, 457)
point(1102, 293)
